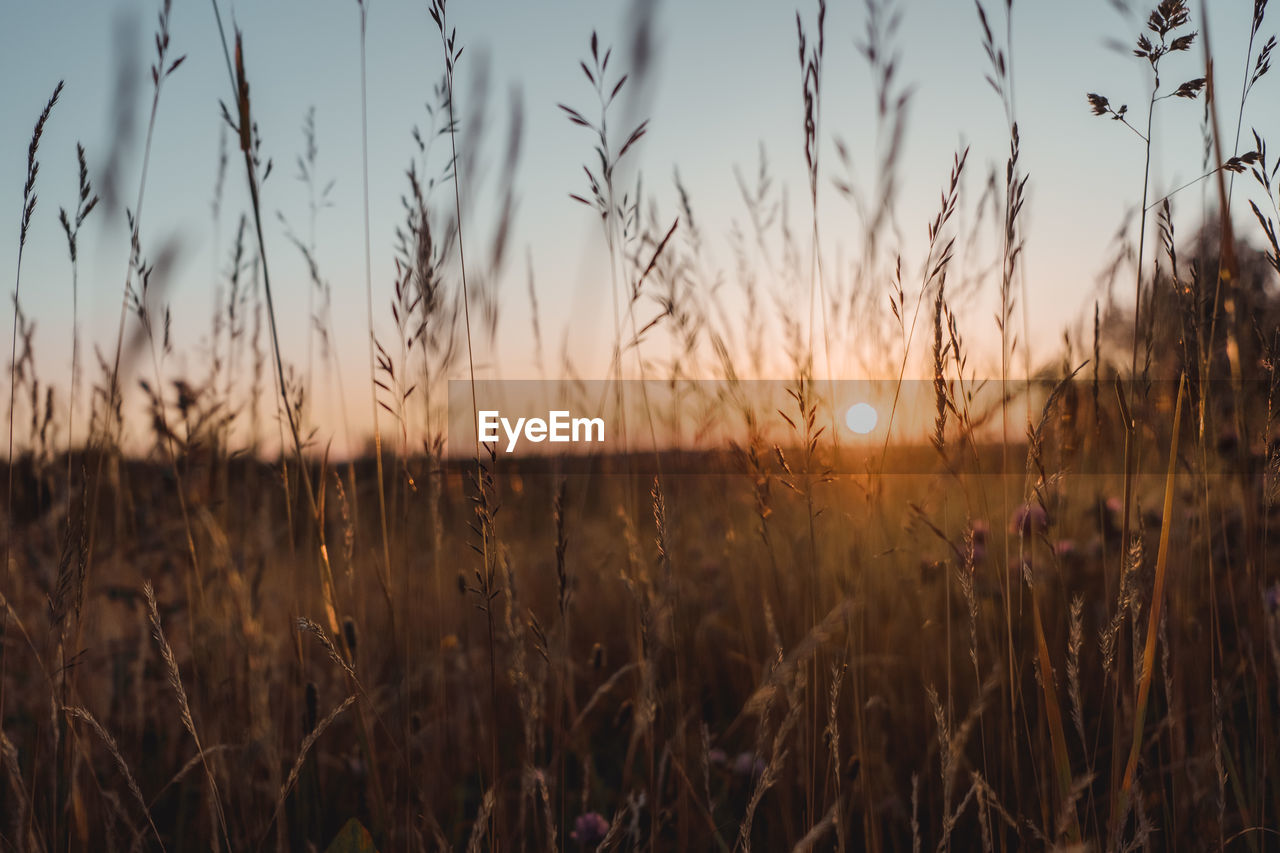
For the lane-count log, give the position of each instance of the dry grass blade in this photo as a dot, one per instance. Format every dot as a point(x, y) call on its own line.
point(310, 626)
point(192, 763)
point(250, 146)
point(817, 831)
point(28, 208)
point(9, 613)
point(915, 813)
point(303, 751)
point(611, 838)
point(1157, 604)
point(1048, 687)
point(170, 662)
point(368, 281)
point(1053, 714)
point(175, 682)
point(1074, 645)
point(548, 815)
point(600, 692)
point(767, 780)
point(18, 788)
point(783, 673)
point(475, 844)
point(123, 767)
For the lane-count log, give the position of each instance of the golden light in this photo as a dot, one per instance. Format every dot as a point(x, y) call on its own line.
point(861, 418)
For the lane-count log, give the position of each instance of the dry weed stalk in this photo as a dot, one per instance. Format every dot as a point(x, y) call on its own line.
point(184, 706)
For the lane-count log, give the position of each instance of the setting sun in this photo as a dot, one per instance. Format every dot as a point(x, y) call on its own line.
point(861, 418)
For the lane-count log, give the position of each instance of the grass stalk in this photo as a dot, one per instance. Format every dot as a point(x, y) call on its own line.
point(1156, 607)
point(368, 289)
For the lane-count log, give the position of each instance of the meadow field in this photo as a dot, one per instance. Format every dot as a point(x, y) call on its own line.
point(1026, 597)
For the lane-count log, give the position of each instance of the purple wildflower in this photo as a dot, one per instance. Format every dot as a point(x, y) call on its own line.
point(589, 829)
point(1029, 518)
point(747, 764)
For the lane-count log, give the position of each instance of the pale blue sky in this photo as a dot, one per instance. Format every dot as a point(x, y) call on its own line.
point(725, 82)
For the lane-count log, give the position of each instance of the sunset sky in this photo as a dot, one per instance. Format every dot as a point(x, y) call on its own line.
point(724, 84)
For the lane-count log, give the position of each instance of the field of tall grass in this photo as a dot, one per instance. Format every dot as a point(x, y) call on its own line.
point(1047, 618)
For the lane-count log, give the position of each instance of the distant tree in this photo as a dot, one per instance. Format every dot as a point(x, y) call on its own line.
point(1222, 331)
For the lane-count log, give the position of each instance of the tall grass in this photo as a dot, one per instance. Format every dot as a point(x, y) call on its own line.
point(760, 646)
point(29, 199)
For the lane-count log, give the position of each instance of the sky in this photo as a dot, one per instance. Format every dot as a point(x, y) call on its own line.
point(723, 85)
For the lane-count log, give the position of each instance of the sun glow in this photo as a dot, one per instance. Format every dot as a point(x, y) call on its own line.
point(861, 418)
